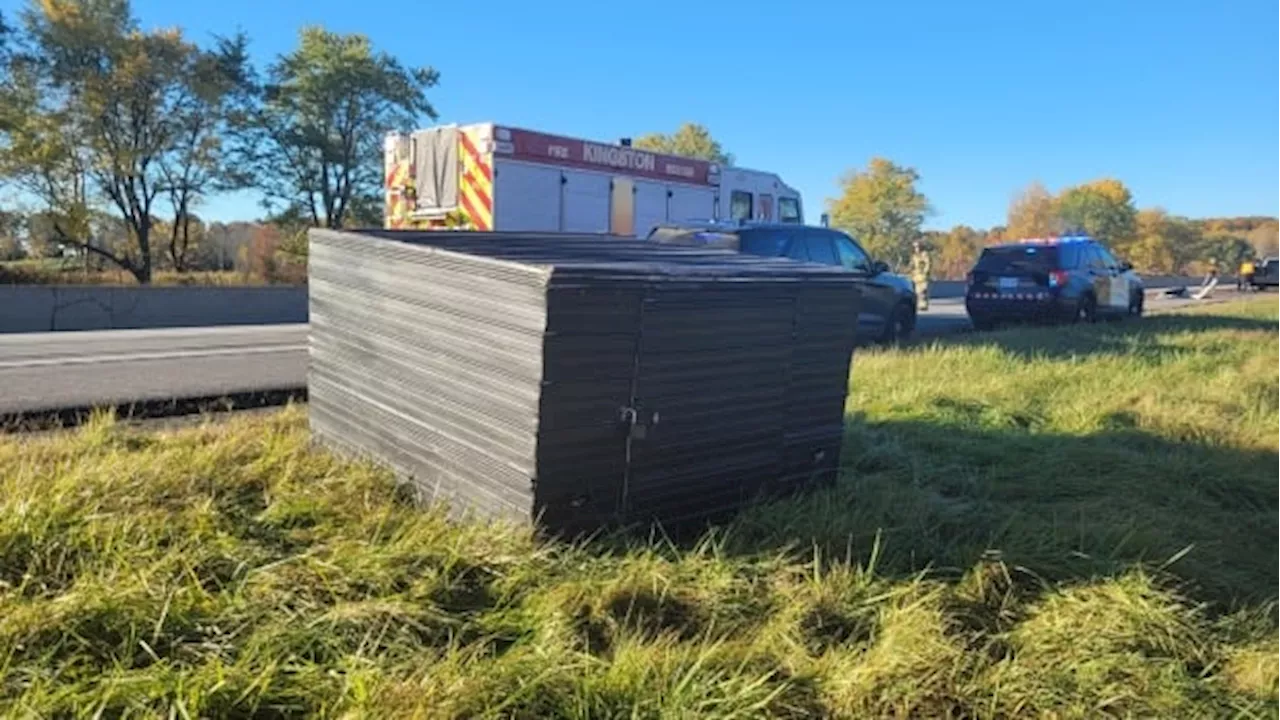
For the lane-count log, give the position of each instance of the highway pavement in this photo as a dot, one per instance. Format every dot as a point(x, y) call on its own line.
point(56, 370)
point(42, 372)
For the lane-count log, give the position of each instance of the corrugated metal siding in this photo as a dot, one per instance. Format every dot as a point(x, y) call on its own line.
point(496, 370)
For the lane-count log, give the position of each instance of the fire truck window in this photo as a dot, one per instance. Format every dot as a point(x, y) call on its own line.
point(788, 210)
point(740, 205)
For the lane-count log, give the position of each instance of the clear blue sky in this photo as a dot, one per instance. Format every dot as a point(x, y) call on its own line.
point(1177, 99)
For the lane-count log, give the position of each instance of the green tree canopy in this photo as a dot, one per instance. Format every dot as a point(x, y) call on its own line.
point(5, 32)
point(690, 140)
point(315, 145)
point(218, 95)
point(1153, 247)
point(1103, 208)
point(95, 112)
point(882, 208)
point(1228, 249)
point(12, 227)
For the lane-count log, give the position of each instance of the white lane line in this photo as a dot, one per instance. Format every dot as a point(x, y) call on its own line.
point(132, 357)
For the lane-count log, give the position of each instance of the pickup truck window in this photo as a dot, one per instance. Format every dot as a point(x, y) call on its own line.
point(820, 249)
point(797, 250)
point(852, 257)
point(763, 242)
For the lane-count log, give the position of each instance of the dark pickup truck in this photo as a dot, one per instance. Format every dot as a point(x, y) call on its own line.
point(888, 310)
point(1267, 273)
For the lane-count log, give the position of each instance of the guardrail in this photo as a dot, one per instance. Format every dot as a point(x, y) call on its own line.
point(44, 308)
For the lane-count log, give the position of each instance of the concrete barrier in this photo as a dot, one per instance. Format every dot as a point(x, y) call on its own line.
point(42, 308)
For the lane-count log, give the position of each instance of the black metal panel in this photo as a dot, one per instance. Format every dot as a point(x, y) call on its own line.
point(583, 379)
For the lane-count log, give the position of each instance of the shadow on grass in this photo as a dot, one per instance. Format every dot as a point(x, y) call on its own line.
point(1127, 337)
point(942, 498)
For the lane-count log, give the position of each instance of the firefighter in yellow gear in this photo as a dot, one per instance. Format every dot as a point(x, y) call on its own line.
point(921, 264)
point(1244, 280)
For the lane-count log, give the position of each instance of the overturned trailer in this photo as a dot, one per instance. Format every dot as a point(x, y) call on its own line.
point(578, 379)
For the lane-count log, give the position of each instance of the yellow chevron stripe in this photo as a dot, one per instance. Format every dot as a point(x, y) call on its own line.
point(470, 166)
point(477, 193)
point(480, 214)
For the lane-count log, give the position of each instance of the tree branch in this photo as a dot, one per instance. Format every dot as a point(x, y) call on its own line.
point(63, 238)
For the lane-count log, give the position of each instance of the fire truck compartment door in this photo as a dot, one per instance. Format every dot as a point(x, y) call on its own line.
point(691, 203)
point(622, 213)
point(526, 198)
point(586, 202)
point(650, 207)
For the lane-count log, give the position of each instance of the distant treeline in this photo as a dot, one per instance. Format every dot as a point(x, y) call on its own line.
point(218, 253)
point(1153, 240)
point(883, 207)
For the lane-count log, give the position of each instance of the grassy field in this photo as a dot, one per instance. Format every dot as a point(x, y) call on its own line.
point(1033, 523)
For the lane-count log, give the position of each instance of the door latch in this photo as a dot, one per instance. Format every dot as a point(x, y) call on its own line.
point(637, 428)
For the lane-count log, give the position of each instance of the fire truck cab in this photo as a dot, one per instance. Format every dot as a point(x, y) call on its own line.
point(494, 177)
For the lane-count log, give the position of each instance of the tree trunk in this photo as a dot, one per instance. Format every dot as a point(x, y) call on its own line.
point(186, 243)
point(142, 271)
point(178, 249)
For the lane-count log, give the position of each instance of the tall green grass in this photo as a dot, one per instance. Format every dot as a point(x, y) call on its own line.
point(1057, 523)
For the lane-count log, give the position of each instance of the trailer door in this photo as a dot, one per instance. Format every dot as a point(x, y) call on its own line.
point(586, 202)
point(526, 197)
point(688, 203)
point(650, 206)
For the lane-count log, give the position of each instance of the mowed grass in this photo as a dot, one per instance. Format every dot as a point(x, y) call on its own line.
point(1033, 523)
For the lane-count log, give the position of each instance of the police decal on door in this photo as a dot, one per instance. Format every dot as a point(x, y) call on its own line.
point(1118, 292)
point(1102, 289)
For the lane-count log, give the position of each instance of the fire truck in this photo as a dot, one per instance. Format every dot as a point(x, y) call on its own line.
point(494, 177)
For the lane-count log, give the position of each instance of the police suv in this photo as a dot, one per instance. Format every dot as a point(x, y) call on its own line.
point(1072, 278)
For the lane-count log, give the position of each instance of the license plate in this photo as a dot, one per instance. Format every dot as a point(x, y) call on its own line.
point(1008, 283)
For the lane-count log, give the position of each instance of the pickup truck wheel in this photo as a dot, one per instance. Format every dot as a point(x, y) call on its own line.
point(899, 325)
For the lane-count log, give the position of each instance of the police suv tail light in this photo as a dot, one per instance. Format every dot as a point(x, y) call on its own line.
point(1057, 279)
